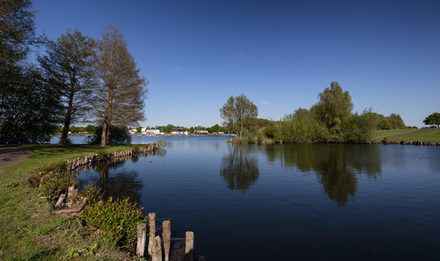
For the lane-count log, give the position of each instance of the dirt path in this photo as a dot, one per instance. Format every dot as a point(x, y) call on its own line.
point(12, 155)
point(413, 133)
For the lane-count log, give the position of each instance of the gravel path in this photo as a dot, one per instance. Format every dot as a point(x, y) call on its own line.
point(413, 133)
point(12, 155)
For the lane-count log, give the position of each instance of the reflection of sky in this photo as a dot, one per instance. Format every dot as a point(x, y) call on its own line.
point(290, 202)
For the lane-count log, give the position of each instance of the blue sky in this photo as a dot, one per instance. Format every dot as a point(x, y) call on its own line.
point(280, 54)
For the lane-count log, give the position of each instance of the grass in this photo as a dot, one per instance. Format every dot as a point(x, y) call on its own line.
point(381, 134)
point(427, 136)
point(28, 229)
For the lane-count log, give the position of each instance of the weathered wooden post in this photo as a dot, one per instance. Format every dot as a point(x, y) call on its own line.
point(151, 230)
point(189, 245)
point(141, 239)
point(156, 249)
point(166, 236)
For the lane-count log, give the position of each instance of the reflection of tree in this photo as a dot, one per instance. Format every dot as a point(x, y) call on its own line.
point(335, 165)
point(119, 184)
point(239, 169)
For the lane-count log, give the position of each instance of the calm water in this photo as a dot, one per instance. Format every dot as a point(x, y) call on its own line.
point(289, 202)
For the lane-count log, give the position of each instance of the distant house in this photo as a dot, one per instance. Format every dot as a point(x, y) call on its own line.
point(201, 132)
point(180, 131)
point(133, 131)
point(151, 132)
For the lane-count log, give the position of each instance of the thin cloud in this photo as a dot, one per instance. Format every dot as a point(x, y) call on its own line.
point(178, 69)
point(264, 103)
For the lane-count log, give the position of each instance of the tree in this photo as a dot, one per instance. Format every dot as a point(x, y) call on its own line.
point(237, 112)
point(334, 106)
point(433, 119)
point(121, 90)
point(68, 66)
point(396, 121)
point(28, 107)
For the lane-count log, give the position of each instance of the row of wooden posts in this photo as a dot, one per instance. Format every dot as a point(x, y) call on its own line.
point(155, 243)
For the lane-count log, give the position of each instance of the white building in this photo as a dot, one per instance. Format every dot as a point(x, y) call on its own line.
point(150, 131)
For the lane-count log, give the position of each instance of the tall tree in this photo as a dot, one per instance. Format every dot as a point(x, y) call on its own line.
point(28, 107)
point(334, 106)
point(433, 119)
point(68, 66)
point(121, 90)
point(396, 121)
point(238, 112)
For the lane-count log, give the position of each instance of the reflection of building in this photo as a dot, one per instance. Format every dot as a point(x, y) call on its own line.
point(180, 131)
point(202, 132)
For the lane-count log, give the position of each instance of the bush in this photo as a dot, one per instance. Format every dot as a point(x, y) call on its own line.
point(118, 135)
point(55, 183)
point(135, 149)
point(117, 219)
point(92, 193)
point(102, 154)
point(161, 143)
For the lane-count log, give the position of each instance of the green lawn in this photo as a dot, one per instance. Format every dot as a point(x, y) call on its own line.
point(28, 229)
point(381, 134)
point(427, 136)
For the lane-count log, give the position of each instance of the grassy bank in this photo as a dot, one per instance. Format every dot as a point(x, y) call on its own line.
point(426, 136)
point(28, 229)
point(381, 134)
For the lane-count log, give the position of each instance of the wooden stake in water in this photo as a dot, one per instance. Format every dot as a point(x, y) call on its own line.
point(156, 249)
point(166, 236)
point(189, 245)
point(151, 230)
point(141, 239)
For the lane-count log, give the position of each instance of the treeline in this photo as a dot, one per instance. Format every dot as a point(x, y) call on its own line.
point(330, 120)
point(213, 129)
point(75, 79)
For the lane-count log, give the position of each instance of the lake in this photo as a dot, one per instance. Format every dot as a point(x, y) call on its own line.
point(288, 202)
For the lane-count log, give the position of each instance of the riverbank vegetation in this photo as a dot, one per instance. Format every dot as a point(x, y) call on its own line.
point(330, 120)
point(29, 229)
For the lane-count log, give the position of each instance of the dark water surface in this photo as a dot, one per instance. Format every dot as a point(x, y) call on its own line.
point(289, 202)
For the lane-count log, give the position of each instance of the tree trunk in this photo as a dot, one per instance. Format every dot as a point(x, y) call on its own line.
point(65, 133)
point(104, 135)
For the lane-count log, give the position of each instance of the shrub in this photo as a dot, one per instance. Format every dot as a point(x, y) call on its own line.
point(135, 149)
point(118, 135)
point(102, 154)
point(117, 219)
point(55, 183)
point(92, 193)
point(161, 143)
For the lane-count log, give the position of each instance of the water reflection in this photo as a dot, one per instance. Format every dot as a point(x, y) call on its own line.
point(335, 165)
point(118, 184)
point(239, 167)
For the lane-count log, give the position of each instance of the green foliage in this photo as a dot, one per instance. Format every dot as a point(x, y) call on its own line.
point(161, 143)
point(118, 135)
point(135, 149)
point(102, 154)
point(396, 121)
point(334, 106)
point(92, 193)
point(55, 183)
point(117, 220)
point(238, 112)
point(71, 54)
point(433, 119)
point(359, 128)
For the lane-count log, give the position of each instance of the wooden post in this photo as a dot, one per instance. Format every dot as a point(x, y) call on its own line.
point(151, 231)
point(156, 249)
point(166, 236)
point(60, 200)
point(141, 238)
point(189, 245)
